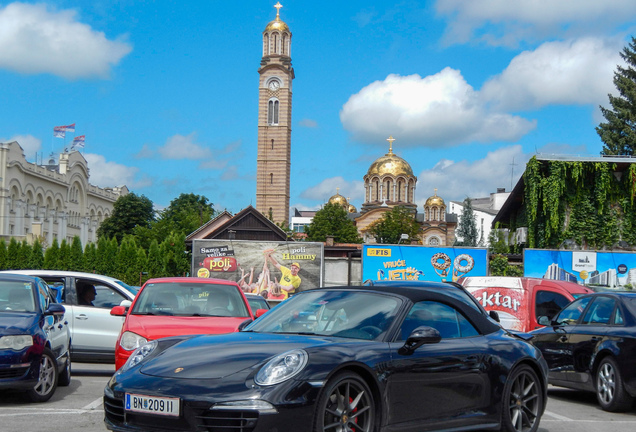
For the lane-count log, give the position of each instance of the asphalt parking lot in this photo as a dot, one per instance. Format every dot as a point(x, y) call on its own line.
point(78, 407)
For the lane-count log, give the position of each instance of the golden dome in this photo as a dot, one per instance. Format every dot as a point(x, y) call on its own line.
point(352, 209)
point(338, 199)
point(435, 201)
point(390, 164)
point(277, 24)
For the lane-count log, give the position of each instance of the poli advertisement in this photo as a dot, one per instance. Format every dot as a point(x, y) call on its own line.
point(590, 268)
point(272, 269)
point(393, 262)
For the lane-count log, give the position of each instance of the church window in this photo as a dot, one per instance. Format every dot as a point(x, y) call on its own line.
point(275, 43)
point(272, 144)
point(433, 241)
point(272, 112)
point(271, 178)
point(284, 44)
point(387, 185)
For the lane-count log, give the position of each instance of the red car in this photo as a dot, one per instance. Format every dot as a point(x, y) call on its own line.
point(180, 306)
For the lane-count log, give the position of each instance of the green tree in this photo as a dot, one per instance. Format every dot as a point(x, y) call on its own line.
point(467, 233)
point(497, 241)
point(619, 132)
point(37, 256)
point(64, 257)
point(76, 255)
point(155, 261)
point(90, 258)
point(51, 256)
point(3, 255)
point(129, 211)
point(332, 220)
point(393, 224)
point(24, 255)
point(176, 260)
point(13, 254)
point(128, 267)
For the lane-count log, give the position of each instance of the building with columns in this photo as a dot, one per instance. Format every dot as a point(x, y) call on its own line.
point(50, 201)
point(273, 164)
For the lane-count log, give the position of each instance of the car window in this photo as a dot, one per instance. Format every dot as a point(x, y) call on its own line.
point(16, 296)
point(571, 313)
point(56, 284)
point(44, 295)
point(618, 317)
point(107, 297)
point(600, 311)
point(257, 303)
point(549, 303)
point(186, 298)
point(448, 321)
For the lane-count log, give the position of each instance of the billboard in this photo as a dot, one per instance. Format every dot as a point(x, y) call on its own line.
point(590, 268)
point(397, 262)
point(274, 270)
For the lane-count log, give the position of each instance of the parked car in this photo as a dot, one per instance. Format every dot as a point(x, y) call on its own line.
point(94, 330)
point(257, 302)
point(396, 356)
point(591, 345)
point(34, 338)
point(180, 306)
point(521, 301)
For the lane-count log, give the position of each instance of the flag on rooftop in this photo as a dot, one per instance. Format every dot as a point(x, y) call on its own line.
point(78, 141)
point(69, 128)
point(59, 132)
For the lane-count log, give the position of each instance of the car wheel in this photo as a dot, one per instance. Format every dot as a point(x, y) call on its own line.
point(64, 378)
point(610, 390)
point(345, 405)
point(47, 378)
point(522, 401)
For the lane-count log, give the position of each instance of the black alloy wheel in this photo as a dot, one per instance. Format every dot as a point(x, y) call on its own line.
point(610, 390)
point(47, 378)
point(345, 405)
point(522, 401)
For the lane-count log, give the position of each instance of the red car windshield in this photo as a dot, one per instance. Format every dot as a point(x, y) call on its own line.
point(190, 299)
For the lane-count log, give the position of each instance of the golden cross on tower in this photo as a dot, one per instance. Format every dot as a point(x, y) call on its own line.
point(435, 191)
point(278, 6)
point(337, 190)
point(390, 139)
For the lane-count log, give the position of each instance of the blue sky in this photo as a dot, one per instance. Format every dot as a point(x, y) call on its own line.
point(166, 92)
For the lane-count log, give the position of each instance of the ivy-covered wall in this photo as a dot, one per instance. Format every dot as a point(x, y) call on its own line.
point(579, 201)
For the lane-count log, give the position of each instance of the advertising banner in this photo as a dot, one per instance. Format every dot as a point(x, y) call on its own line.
point(590, 268)
point(397, 262)
point(274, 270)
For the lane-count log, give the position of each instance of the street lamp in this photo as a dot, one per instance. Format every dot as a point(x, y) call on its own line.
point(403, 237)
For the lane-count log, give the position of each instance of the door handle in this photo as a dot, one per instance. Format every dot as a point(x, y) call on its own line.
point(81, 317)
point(563, 338)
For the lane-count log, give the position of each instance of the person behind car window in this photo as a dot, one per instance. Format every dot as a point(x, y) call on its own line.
point(86, 293)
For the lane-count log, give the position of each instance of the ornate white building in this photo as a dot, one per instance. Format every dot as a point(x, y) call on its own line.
point(51, 201)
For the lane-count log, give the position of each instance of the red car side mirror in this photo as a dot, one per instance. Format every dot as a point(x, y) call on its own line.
point(118, 311)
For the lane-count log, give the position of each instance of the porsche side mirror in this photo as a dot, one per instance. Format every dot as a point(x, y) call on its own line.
point(420, 336)
point(544, 320)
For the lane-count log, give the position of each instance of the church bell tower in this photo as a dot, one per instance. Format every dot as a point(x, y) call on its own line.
point(274, 122)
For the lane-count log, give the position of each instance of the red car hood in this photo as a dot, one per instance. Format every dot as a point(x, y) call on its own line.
point(155, 327)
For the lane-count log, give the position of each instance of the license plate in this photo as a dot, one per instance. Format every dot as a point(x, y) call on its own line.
point(152, 405)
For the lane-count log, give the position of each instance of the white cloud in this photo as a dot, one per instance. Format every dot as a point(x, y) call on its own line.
point(506, 22)
point(112, 174)
point(572, 72)
point(30, 144)
point(34, 39)
point(184, 147)
point(440, 109)
point(354, 190)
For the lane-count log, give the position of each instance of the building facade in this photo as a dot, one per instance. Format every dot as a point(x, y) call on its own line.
point(53, 201)
point(273, 164)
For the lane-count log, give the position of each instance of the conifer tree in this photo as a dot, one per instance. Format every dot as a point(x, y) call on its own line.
point(467, 233)
point(13, 254)
point(3, 255)
point(37, 255)
point(51, 256)
point(24, 255)
point(76, 255)
point(64, 257)
point(90, 258)
point(619, 132)
point(154, 265)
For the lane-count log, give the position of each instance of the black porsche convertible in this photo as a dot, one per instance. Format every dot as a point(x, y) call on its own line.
point(388, 356)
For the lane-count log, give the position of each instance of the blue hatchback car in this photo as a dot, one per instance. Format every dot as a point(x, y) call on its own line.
point(34, 338)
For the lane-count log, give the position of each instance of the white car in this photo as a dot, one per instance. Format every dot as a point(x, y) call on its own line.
point(94, 330)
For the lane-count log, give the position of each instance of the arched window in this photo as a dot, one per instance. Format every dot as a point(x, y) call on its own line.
point(272, 112)
point(271, 178)
point(275, 43)
point(272, 144)
point(284, 45)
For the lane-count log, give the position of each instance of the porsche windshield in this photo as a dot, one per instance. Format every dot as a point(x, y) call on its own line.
point(349, 314)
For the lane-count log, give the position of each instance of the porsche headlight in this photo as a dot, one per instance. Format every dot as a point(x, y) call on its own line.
point(139, 355)
point(131, 341)
point(16, 343)
point(282, 367)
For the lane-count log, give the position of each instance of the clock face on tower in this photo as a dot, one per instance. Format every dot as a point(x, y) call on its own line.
point(273, 85)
